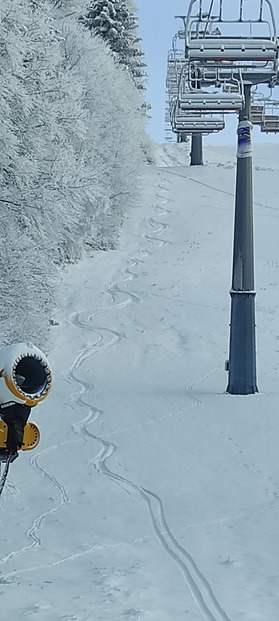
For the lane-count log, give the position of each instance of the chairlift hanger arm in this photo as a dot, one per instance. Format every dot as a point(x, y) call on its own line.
point(271, 15)
point(261, 10)
point(208, 18)
point(183, 17)
point(241, 10)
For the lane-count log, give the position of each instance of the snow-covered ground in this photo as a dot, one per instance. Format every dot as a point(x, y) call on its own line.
point(154, 495)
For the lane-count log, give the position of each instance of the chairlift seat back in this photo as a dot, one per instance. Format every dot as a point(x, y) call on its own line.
point(232, 49)
point(211, 101)
point(192, 124)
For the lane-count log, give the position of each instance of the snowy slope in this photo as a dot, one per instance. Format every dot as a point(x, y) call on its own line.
point(153, 495)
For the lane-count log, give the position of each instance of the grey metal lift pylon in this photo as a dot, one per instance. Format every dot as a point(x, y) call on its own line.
point(196, 150)
point(242, 354)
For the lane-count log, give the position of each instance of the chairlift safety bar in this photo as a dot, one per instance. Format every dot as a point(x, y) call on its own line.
point(206, 19)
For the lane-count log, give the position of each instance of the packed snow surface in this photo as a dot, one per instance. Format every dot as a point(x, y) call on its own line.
point(154, 495)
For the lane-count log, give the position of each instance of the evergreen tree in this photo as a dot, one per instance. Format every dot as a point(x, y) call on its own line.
point(113, 21)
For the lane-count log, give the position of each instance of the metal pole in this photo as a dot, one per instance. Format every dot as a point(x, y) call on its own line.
point(242, 357)
point(196, 150)
point(182, 137)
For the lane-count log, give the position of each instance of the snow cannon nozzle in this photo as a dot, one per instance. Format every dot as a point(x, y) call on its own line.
point(26, 373)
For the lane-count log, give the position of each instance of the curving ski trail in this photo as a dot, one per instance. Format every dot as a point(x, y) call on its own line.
point(33, 531)
point(197, 584)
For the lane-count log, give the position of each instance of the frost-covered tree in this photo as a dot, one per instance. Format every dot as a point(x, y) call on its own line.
point(117, 25)
point(70, 136)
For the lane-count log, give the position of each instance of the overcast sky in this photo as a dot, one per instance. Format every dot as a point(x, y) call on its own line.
point(157, 26)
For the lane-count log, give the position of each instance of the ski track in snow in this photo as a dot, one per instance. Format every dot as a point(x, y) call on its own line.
point(196, 582)
point(32, 533)
point(105, 337)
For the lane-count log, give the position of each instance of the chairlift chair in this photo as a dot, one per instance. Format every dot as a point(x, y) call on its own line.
point(175, 63)
point(270, 120)
point(207, 44)
point(265, 113)
point(270, 125)
point(194, 122)
point(257, 113)
point(227, 96)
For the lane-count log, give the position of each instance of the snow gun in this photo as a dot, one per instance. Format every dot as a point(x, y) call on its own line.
point(26, 375)
point(25, 380)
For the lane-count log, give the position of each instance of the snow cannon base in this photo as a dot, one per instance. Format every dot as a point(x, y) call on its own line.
point(31, 437)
